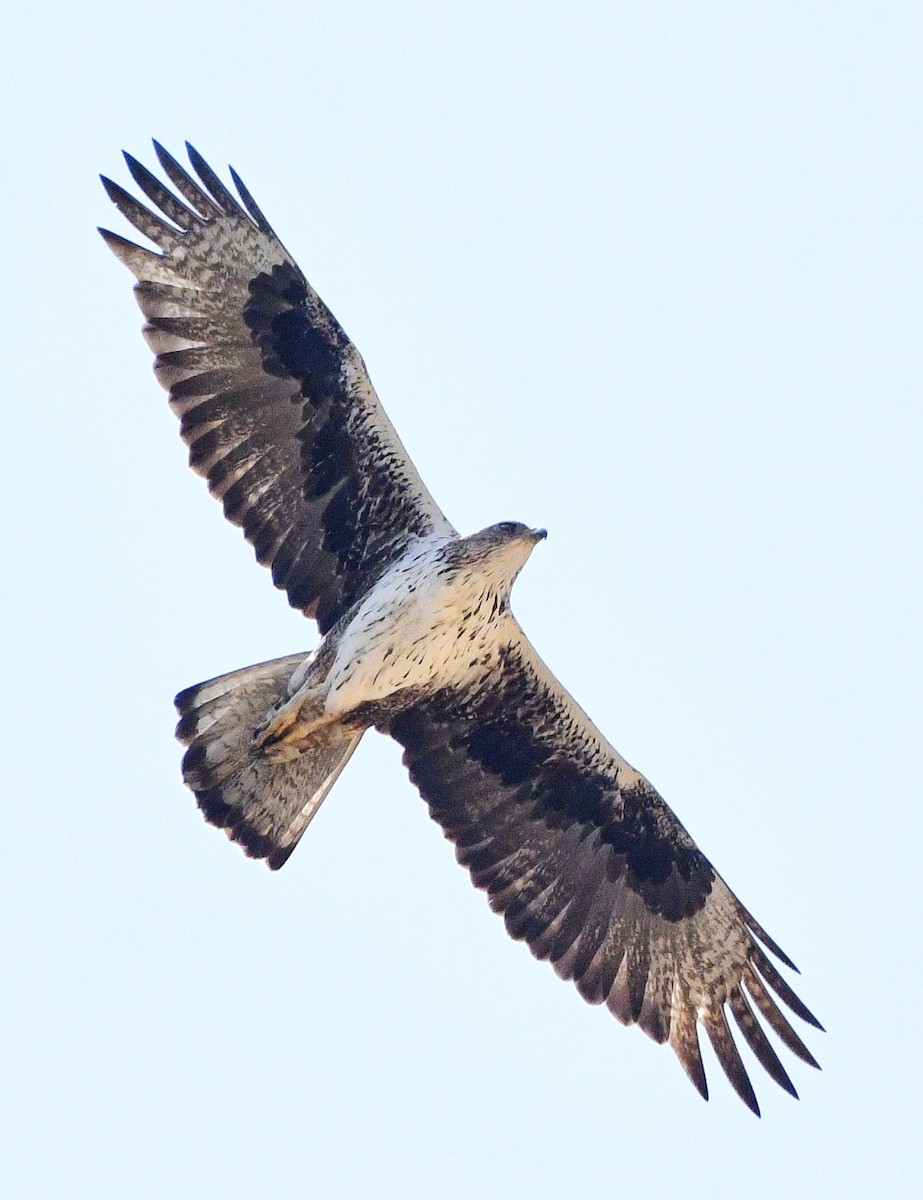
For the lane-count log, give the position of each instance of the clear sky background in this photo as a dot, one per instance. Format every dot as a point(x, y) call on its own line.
point(646, 274)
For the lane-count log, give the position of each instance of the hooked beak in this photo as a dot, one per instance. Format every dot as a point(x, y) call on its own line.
point(538, 535)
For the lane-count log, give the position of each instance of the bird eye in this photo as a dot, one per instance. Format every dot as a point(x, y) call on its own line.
point(509, 526)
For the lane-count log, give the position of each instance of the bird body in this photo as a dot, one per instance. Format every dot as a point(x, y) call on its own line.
point(436, 619)
point(574, 847)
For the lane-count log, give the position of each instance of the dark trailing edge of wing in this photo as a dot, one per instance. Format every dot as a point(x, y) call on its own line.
point(274, 400)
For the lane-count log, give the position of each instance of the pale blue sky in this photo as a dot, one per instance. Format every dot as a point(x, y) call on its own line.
point(648, 275)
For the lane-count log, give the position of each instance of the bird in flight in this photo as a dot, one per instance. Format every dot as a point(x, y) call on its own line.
point(573, 846)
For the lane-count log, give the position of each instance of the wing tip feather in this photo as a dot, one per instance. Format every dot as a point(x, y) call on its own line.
point(722, 1040)
point(250, 204)
point(219, 193)
point(191, 191)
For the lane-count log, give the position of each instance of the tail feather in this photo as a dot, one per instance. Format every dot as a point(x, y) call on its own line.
point(218, 718)
point(263, 802)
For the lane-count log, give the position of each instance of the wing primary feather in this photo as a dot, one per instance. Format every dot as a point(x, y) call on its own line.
point(684, 1040)
point(250, 204)
point(159, 195)
point(775, 1018)
point(778, 985)
point(185, 184)
point(146, 222)
point(220, 193)
point(720, 1036)
point(760, 932)
point(135, 257)
point(758, 1041)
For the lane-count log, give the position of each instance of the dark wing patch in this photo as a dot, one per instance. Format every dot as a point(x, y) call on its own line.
point(590, 867)
point(275, 403)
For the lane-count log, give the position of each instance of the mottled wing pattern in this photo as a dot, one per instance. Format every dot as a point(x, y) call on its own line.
point(590, 867)
point(274, 400)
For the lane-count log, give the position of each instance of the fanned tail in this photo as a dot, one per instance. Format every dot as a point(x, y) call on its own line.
point(263, 802)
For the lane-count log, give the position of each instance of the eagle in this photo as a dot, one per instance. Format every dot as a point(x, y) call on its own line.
point(572, 845)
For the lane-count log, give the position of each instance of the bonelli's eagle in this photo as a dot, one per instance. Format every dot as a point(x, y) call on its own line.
point(579, 853)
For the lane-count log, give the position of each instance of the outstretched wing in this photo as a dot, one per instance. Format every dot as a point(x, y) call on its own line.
point(590, 867)
point(275, 403)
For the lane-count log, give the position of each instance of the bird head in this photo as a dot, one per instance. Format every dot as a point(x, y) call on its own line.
point(498, 552)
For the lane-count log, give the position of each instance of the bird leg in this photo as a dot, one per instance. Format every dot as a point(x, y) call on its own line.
point(289, 727)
